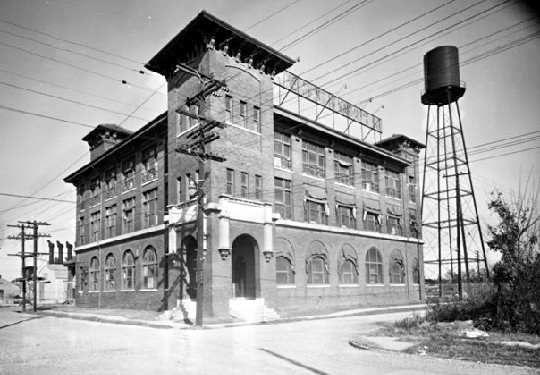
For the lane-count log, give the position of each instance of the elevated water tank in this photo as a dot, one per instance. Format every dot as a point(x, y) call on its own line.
point(441, 76)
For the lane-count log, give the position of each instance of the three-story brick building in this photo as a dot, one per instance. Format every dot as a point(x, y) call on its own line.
point(298, 216)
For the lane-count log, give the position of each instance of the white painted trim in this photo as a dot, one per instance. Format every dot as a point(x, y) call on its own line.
point(121, 237)
point(285, 286)
point(147, 290)
point(344, 185)
point(349, 285)
point(315, 286)
point(353, 232)
point(313, 177)
point(242, 128)
point(375, 285)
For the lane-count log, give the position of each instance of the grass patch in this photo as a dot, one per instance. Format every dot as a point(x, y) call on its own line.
point(445, 340)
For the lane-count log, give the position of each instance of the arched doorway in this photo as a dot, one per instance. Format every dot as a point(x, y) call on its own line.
point(243, 267)
point(190, 267)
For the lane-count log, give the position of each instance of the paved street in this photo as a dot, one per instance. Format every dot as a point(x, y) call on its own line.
point(49, 345)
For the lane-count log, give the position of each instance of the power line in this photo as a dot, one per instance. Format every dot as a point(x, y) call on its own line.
point(71, 41)
point(271, 15)
point(416, 42)
point(378, 37)
point(71, 100)
point(66, 88)
point(99, 74)
point(45, 116)
point(326, 24)
point(71, 51)
point(38, 198)
point(309, 23)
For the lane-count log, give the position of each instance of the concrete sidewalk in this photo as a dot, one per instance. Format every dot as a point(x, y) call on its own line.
point(158, 320)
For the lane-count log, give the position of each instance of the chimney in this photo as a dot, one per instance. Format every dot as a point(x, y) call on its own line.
point(51, 252)
point(69, 251)
point(104, 137)
point(60, 252)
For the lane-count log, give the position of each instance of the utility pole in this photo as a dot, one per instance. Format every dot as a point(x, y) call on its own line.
point(21, 236)
point(35, 230)
point(197, 140)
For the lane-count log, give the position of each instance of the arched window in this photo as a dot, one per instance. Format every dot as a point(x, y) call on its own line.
point(149, 268)
point(317, 270)
point(128, 271)
point(284, 271)
point(110, 268)
point(348, 273)
point(397, 268)
point(415, 271)
point(94, 274)
point(374, 271)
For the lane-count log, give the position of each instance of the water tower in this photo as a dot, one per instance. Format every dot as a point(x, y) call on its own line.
point(451, 230)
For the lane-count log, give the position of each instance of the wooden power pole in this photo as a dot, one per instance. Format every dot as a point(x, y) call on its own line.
point(197, 139)
point(34, 225)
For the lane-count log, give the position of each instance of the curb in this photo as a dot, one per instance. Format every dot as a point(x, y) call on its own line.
point(145, 323)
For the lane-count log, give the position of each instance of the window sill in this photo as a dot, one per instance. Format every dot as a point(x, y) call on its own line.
point(283, 169)
point(286, 286)
point(398, 284)
point(313, 177)
point(148, 290)
point(371, 192)
point(127, 191)
point(375, 285)
point(315, 286)
point(93, 291)
point(348, 285)
point(242, 128)
point(344, 185)
point(394, 198)
point(149, 181)
point(127, 290)
point(110, 291)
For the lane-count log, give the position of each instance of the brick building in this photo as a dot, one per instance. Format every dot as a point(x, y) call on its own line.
point(299, 215)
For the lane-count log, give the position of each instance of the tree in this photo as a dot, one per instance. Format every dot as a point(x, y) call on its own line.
point(517, 274)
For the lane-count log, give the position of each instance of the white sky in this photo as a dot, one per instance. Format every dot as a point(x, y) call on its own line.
point(502, 98)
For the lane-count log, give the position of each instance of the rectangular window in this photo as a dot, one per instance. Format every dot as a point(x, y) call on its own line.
point(282, 150)
point(372, 222)
point(228, 109)
point(345, 217)
point(95, 226)
point(393, 225)
point(110, 184)
point(392, 181)
point(128, 212)
point(343, 169)
point(243, 114)
point(178, 190)
point(315, 212)
point(244, 185)
point(95, 191)
point(149, 162)
point(412, 189)
point(283, 198)
point(149, 208)
point(128, 174)
point(256, 119)
point(82, 230)
point(370, 178)
point(230, 182)
point(80, 197)
point(313, 162)
point(414, 230)
point(110, 221)
point(258, 187)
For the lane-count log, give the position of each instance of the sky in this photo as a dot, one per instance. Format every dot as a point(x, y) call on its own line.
point(62, 63)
